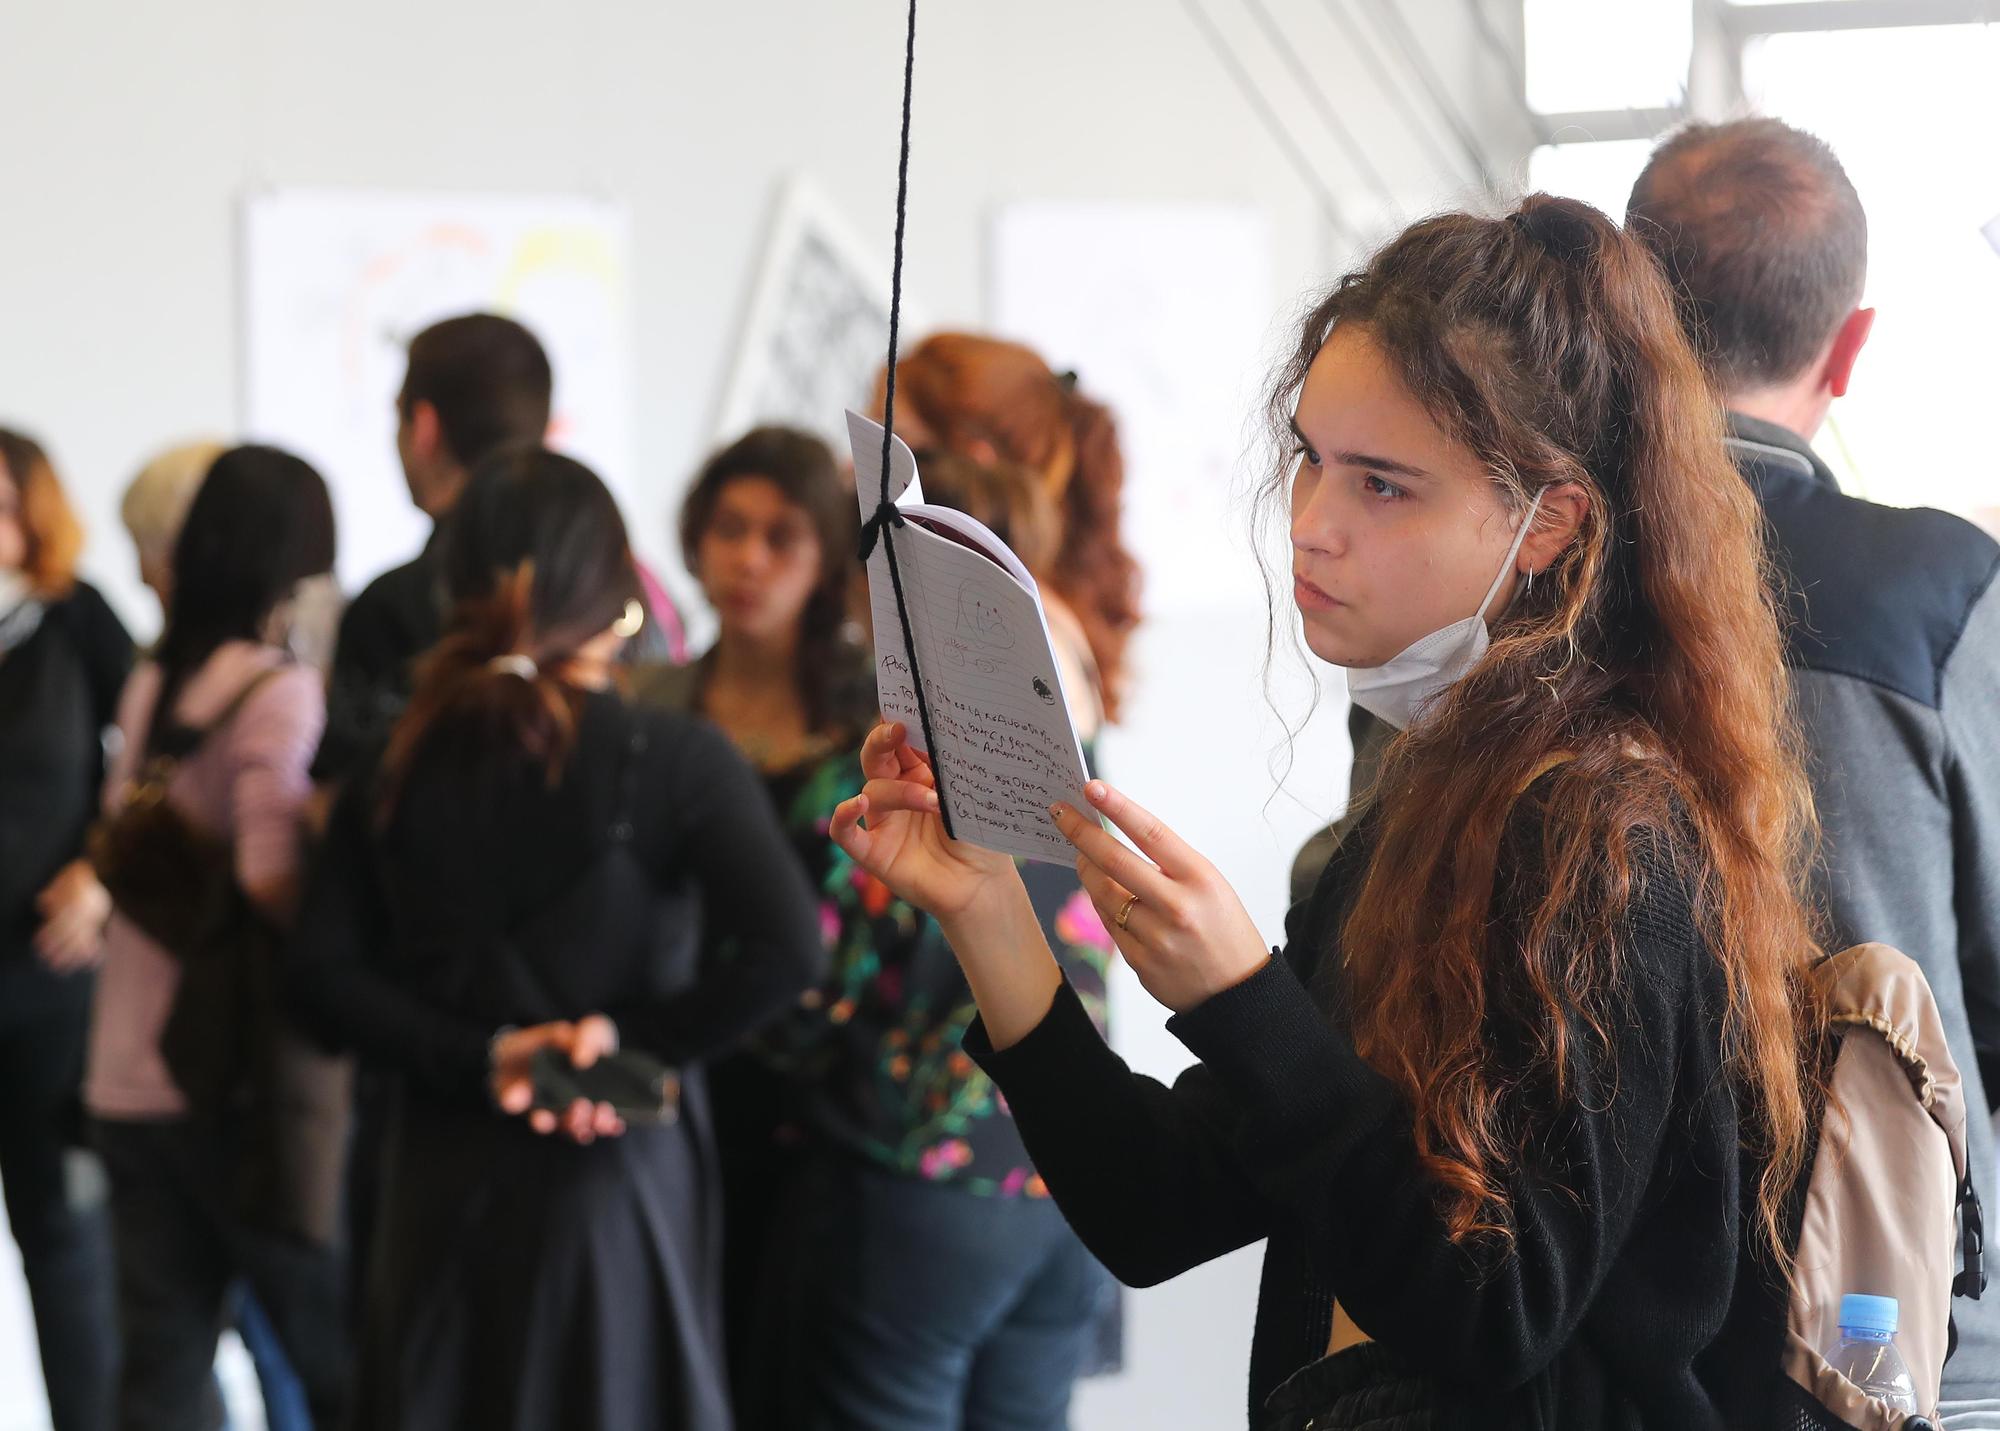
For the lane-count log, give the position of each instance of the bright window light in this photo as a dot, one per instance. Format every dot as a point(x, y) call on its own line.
point(1591, 55)
point(1599, 174)
point(1920, 138)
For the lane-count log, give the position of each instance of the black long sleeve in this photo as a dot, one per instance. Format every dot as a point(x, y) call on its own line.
point(340, 992)
point(406, 933)
point(396, 618)
point(1283, 1127)
point(755, 902)
point(103, 644)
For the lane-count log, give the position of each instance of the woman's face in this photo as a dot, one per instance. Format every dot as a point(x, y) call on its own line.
point(758, 559)
point(13, 532)
point(1397, 530)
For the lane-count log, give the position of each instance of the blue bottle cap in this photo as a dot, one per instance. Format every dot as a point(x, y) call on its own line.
point(1862, 1313)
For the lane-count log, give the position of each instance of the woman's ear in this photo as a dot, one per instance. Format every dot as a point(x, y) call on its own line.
point(1557, 520)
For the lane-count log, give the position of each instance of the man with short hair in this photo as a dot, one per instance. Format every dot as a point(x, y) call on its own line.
point(1894, 638)
point(474, 384)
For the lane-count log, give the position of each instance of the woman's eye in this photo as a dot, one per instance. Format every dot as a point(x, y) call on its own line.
point(1377, 486)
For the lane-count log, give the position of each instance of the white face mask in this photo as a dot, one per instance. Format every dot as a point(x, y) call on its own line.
point(1398, 690)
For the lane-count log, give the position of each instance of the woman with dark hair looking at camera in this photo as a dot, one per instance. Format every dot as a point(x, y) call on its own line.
point(893, 1259)
point(531, 866)
point(1519, 1105)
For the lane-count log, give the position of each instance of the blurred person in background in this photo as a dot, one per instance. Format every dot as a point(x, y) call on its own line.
point(1894, 633)
point(223, 698)
point(533, 863)
point(895, 1260)
point(997, 402)
point(63, 658)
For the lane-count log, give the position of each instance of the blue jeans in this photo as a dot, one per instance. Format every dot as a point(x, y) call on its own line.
point(285, 1406)
point(931, 1309)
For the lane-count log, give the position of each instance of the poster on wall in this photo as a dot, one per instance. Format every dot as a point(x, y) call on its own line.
point(1161, 310)
point(337, 282)
point(817, 327)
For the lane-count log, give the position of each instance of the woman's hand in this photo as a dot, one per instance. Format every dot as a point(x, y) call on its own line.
point(904, 844)
point(1174, 918)
point(74, 909)
point(512, 1080)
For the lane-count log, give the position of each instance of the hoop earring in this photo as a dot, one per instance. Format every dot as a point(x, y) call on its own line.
point(627, 625)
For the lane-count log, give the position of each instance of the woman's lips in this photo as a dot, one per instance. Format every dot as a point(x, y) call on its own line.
point(1310, 597)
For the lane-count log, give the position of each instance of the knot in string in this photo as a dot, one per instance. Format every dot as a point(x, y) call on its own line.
point(886, 514)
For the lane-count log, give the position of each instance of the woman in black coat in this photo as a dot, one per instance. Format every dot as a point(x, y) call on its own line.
point(533, 865)
point(63, 659)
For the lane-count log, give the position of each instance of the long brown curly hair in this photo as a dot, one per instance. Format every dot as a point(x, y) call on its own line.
point(1646, 659)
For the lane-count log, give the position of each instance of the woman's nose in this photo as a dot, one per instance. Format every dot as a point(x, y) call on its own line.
point(1317, 525)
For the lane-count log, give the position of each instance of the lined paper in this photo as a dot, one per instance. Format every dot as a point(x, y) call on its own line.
point(1005, 746)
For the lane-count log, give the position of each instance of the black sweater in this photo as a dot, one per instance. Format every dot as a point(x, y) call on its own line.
point(1630, 1247)
point(58, 694)
point(494, 898)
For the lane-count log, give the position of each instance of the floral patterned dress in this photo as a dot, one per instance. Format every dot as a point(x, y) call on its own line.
point(873, 1061)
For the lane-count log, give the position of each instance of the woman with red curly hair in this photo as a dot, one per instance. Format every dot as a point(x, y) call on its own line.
point(997, 402)
point(1519, 1105)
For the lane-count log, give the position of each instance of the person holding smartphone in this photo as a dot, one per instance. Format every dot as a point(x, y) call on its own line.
point(533, 870)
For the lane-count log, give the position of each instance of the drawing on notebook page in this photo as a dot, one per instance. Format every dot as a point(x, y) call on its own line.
point(1007, 747)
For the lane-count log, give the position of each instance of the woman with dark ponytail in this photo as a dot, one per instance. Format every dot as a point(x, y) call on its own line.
point(527, 877)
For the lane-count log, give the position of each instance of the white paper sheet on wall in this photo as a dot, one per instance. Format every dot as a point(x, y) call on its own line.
point(1006, 749)
point(336, 283)
point(1162, 310)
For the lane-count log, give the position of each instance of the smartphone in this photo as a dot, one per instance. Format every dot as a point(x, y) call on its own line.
point(638, 1086)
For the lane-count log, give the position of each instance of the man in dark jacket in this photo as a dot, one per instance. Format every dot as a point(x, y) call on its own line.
point(1895, 612)
point(474, 384)
point(1894, 639)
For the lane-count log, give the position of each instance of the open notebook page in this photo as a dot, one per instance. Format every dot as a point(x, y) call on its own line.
point(1006, 748)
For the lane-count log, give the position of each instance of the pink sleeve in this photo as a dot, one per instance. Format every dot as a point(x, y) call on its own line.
point(271, 745)
point(135, 708)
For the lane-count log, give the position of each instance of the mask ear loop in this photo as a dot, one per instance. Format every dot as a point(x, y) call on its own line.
point(1520, 536)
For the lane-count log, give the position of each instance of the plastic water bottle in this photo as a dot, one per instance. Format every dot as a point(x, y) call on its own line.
point(1867, 1354)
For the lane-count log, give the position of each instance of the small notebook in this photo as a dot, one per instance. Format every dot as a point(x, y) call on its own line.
point(1006, 748)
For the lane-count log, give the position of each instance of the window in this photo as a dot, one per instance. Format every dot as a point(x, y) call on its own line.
point(1587, 55)
point(1600, 173)
point(1915, 118)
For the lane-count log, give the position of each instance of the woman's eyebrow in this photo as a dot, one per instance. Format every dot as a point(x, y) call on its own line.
point(1374, 463)
point(1360, 459)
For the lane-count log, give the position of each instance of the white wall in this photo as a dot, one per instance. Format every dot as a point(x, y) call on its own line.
point(131, 133)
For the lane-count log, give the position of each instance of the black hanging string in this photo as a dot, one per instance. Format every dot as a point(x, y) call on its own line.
point(886, 516)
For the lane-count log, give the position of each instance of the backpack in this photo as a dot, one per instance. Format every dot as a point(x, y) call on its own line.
point(1888, 1205)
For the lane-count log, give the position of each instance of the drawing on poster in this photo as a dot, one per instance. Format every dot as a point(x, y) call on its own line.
point(816, 328)
point(336, 282)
